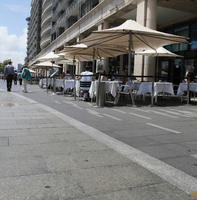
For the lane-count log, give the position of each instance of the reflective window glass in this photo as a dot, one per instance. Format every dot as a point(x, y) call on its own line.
point(194, 36)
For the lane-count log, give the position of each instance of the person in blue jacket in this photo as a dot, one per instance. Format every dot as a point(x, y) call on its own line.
point(26, 75)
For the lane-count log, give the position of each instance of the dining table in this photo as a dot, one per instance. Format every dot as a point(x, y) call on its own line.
point(111, 87)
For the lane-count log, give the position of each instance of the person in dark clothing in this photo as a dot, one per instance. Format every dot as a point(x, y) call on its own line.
point(190, 75)
point(9, 74)
point(20, 77)
point(15, 77)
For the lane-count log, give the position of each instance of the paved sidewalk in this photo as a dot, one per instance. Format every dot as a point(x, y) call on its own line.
point(44, 158)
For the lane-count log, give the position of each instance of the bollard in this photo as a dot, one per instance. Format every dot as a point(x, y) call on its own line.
point(188, 92)
point(101, 96)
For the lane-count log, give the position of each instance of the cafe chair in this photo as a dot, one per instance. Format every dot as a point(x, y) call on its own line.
point(125, 90)
point(84, 89)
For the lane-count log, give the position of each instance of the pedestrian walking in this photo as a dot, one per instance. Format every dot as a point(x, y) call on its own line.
point(15, 77)
point(20, 77)
point(9, 74)
point(26, 75)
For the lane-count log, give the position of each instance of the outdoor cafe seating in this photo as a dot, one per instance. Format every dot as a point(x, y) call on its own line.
point(116, 90)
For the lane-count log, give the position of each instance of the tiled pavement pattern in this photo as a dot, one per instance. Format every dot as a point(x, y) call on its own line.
point(44, 158)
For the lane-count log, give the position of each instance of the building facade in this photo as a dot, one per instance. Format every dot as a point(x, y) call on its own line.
point(66, 22)
point(34, 28)
point(46, 21)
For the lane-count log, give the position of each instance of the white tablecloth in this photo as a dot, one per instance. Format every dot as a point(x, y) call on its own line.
point(69, 84)
point(145, 87)
point(163, 87)
point(40, 83)
point(159, 87)
point(59, 83)
point(110, 87)
point(43, 82)
point(135, 85)
point(183, 88)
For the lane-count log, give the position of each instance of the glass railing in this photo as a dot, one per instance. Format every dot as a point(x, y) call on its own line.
point(45, 41)
point(46, 29)
point(46, 8)
point(46, 19)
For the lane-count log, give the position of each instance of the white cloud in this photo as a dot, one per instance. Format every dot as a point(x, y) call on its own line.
point(12, 47)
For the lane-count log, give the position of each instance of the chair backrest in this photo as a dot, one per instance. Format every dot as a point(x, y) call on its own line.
point(85, 84)
point(125, 89)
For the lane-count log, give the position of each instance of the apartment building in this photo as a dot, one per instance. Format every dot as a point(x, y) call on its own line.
point(69, 21)
point(46, 23)
point(34, 28)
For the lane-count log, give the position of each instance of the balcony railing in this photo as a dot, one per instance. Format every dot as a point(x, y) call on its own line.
point(67, 12)
point(47, 8)
point(46, 19)
point(45, 41)
point(43, 3)
point(45, 30)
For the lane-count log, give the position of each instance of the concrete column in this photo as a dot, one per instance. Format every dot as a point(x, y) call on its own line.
point(151, 22)
point(106, 60)
point(146, 16)
point(65, 67)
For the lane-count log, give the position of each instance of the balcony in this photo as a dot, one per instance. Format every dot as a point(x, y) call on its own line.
point(47, 19)
point(44, 42)
point(47, 8)
point(44, 2)
point(71, 8)
point(45, 30)
point(67, 13)
point(105, 10)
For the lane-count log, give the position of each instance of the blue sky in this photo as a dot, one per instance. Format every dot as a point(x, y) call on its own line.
point(13, 29)
point(13, 14)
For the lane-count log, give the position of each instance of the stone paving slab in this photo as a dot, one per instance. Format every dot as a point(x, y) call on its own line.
point(52, 160)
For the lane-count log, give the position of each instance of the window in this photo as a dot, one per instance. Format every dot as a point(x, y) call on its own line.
point(182, 31)
point(194, 36)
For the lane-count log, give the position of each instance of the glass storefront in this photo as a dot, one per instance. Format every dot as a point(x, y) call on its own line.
point(174, 69)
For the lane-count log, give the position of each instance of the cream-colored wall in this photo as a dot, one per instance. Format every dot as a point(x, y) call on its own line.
point(146, 16)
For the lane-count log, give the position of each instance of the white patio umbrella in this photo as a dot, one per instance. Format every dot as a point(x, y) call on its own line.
point(50, 57)
point(159, 52)
point(32, 71)
point(45, 65)
point(132, 36)
point(82, 52)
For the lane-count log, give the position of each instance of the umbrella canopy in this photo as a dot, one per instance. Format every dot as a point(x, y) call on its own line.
point(65, 61)
point(138, 36)
point(132, 36)
point(161, 51)
point(50, 56)
point(32, 71)
point(82, 52)
point(46, 65)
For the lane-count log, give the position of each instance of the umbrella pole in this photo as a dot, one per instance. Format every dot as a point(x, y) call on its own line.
point(98, 90)
point(74, 81)
point(156, 67)
point(130, 53)
point(142, 79)
point(93, 63)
